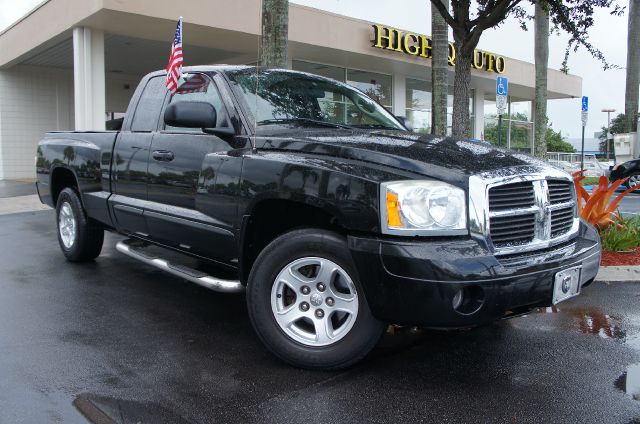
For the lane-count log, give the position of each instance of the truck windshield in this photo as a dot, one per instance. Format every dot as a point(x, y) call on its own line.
point(277, 97)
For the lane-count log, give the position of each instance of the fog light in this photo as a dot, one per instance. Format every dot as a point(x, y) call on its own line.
point(468, 300)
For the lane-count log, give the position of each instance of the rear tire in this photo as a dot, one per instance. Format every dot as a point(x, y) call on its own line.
point(80, 239)
point(306, 302)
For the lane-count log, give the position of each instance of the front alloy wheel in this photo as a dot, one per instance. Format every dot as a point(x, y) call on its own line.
point(314, 301)
point(306, 303)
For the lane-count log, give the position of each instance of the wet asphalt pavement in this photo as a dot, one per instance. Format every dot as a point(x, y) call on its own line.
point(143, 346)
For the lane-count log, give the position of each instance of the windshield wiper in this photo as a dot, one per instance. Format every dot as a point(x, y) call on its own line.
point(376, 126)
point(303, 120)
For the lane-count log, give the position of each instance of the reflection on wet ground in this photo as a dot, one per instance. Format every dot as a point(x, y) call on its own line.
point(106, 410)
point(590, 320)
point(629, 382)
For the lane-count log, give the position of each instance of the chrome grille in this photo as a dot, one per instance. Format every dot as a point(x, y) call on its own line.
point(515, 211)
point(561, 221)
point(560, 191)
point(511, 196)
point(511, 230)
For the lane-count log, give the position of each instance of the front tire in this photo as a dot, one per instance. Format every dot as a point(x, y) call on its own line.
point(306, 302)
point(80, 239)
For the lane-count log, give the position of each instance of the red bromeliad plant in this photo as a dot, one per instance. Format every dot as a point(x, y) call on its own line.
point(595, 207)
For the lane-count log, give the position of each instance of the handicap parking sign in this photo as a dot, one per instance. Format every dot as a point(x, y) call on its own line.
point(502, 86)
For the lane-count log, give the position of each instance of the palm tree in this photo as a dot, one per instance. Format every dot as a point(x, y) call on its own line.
point(69, 154)
point(439, 71)
point(633, 68)
point(542, 61)
point(275, 33)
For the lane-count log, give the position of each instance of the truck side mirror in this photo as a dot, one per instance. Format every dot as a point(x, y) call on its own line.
point(190, 114)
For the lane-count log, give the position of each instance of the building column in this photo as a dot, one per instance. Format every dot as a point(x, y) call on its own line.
point(478, 110)
point(399, 94)
point(88, 79)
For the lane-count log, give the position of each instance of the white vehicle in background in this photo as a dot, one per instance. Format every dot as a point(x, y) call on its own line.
point(564, 165)
point(592, 167)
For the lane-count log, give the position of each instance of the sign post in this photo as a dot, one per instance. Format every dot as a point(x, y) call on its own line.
point(585, 116)
point(502, 92)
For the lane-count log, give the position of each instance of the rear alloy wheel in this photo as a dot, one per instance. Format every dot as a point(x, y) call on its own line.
point(80, 238)
point(306, 303)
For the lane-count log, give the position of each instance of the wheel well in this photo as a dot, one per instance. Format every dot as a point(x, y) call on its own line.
point(61, 178)
point(272, 218)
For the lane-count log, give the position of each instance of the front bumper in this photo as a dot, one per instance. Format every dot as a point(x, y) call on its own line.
point(415, 282)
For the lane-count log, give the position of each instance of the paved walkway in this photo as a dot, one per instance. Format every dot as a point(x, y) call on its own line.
point(19, 204)
point(13, 188)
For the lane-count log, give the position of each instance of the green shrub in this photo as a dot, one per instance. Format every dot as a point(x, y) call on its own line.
point(589, 181)
point(622, 237)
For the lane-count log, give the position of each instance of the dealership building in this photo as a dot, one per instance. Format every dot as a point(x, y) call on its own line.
point(73, 64)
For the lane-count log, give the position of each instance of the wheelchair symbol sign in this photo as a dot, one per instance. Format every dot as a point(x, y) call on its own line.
point(585, 104)
point(502, 86)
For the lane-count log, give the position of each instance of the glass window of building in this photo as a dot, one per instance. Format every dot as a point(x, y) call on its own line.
point(418, 107)
point(333, 72)
point(516, 132)
point(377, 86)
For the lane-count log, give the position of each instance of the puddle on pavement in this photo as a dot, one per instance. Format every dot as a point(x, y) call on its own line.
point(106, 410)
point(629, 382)
point(595, 322)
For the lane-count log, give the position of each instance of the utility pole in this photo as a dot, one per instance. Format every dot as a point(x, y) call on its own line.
point(608, 111)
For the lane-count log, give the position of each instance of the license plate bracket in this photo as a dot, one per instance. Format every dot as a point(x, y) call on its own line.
point(566, 284)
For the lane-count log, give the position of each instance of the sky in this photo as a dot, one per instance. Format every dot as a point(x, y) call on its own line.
point(604, 88)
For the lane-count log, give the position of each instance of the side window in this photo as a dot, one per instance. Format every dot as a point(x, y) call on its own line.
point(198, 87)
point(149, 105)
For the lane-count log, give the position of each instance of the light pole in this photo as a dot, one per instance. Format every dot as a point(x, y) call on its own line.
point(608, 111)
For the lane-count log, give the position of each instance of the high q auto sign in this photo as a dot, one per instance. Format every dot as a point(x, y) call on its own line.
point(388, 38)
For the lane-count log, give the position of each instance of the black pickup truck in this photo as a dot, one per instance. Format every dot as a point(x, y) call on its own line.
point(311, 196)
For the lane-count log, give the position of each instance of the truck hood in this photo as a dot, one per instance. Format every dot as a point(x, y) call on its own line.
point(422, 154)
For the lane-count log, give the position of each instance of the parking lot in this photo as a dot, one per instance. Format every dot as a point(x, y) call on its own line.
point(141, 346)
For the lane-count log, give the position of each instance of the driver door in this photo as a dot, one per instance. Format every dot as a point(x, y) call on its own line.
point(184, 163)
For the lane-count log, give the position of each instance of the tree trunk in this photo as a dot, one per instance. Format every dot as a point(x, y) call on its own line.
point(462, 88)
point(275, 33)
point(633, 68)
point(439, 72)
point(542, 61)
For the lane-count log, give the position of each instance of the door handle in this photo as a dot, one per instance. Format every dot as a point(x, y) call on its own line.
point(162, 155)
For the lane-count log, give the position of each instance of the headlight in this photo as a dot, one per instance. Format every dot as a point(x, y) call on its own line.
point(418, 208)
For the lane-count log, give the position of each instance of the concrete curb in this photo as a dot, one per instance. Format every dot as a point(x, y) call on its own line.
point(619, 273)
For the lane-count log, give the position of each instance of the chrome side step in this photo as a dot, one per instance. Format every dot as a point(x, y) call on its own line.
point(226, 286)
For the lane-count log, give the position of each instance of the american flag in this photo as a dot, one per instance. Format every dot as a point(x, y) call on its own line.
point(193, 83)
point(174, 68)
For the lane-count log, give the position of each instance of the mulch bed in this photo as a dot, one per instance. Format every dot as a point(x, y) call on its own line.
point(611, 258)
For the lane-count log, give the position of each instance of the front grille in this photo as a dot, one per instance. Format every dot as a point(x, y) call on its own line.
point(561, 221)
point(559, 191)
point(525, 214)
point(512, 230)
point(511, 196)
